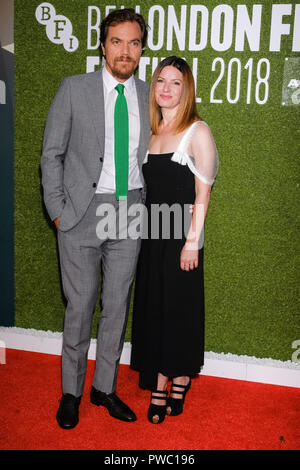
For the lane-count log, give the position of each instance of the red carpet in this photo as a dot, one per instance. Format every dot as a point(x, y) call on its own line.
point(219, 414)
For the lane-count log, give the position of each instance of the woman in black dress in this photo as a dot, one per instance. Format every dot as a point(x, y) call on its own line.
point(179, 170)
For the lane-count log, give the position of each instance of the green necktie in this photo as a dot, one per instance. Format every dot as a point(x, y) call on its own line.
point(121, 143)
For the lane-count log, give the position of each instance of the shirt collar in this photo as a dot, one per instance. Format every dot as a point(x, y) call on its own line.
point(111, 82)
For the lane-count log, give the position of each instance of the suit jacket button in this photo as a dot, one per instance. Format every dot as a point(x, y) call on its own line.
point(94, 185)
point(101, 159)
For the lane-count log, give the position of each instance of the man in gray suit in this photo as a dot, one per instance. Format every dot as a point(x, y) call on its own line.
point(78, 177)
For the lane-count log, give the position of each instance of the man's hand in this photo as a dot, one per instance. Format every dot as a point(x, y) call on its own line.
point(56, 221)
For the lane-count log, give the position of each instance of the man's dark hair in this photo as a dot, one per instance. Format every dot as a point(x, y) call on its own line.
point(122, 16)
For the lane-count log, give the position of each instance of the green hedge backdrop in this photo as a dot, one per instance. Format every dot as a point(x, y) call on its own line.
point(243, 79)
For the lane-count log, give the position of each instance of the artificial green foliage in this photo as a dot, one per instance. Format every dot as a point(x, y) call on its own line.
point(252, 227)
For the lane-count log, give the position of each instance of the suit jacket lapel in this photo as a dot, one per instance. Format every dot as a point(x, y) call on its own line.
point(95, 97)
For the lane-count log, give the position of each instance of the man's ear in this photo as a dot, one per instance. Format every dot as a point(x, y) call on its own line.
point(102, 49)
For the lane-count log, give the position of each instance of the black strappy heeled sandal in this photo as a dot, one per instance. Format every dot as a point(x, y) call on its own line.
point(175, 405)
point(157, 413)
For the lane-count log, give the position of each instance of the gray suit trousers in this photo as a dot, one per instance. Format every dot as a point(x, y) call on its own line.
point(83, 257)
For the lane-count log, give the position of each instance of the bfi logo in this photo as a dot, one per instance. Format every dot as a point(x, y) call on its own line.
point(58, 27)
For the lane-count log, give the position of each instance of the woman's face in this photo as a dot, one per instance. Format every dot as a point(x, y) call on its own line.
point(168, 88)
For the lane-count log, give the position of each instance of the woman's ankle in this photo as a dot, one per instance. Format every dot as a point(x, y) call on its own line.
point(182, 381)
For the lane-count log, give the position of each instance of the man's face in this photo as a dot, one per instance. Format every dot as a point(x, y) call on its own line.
point(122, 49)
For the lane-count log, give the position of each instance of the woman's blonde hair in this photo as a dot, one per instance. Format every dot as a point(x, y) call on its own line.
point(187, 111)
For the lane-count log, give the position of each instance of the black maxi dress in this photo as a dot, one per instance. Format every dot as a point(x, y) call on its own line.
point(168, 312)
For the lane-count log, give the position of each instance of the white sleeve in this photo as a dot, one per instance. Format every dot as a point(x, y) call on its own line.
point(204, 152)
point(198, 151)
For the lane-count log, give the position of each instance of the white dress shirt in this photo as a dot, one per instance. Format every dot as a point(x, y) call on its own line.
point(106, 182)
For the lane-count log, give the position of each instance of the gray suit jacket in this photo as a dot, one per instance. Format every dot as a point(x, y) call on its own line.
point(73, 147)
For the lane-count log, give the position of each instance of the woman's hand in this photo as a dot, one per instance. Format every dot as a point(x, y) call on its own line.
point(189, 257)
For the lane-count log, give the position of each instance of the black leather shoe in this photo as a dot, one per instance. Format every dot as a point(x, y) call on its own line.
point(68, 412)
point(113, 404)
